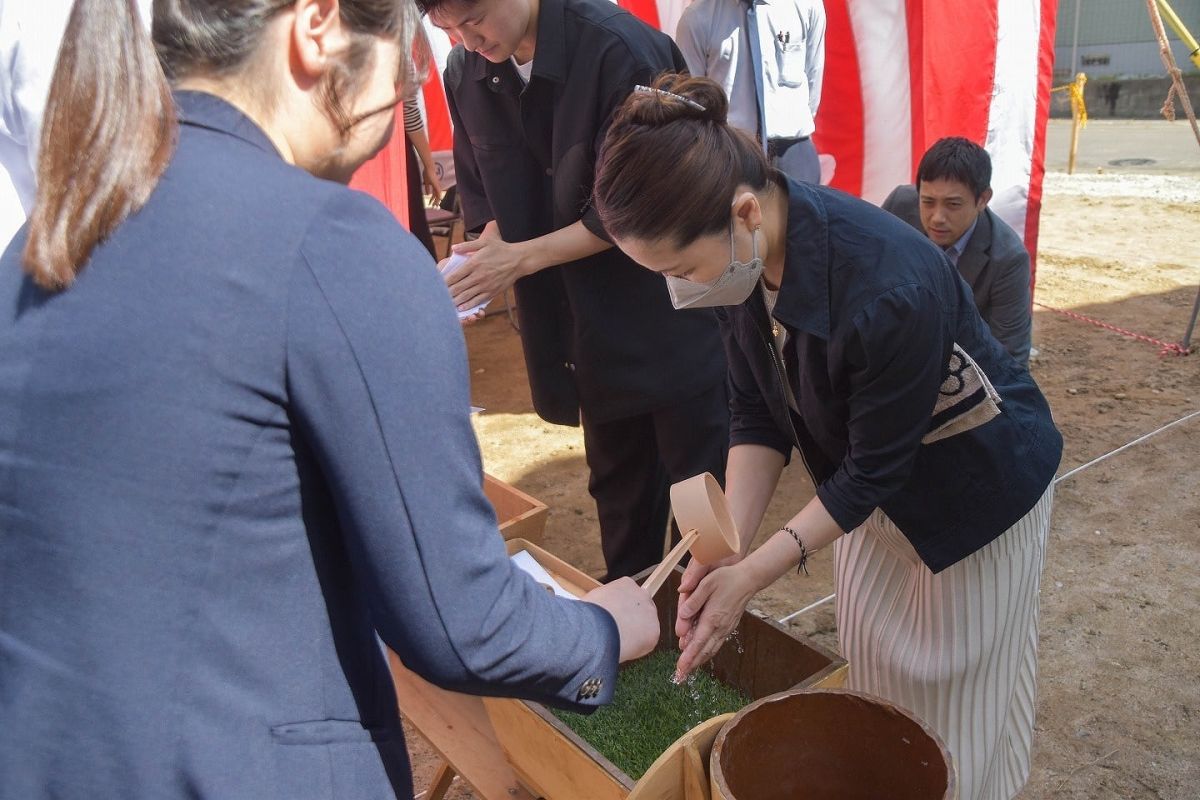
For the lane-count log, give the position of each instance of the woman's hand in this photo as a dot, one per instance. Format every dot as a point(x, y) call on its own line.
point(713, 611)
point(635, 613)
point(692, 575)
point(431, 187)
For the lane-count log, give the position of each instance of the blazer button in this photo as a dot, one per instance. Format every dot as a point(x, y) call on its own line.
point(590, 689)
point(569, 365)
point(495, 79)
point(549, 171)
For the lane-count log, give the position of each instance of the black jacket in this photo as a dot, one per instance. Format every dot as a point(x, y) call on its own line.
point(599, 333)
point(873, 311)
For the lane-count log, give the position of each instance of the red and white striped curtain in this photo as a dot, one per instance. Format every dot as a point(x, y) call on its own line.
point(901, 74)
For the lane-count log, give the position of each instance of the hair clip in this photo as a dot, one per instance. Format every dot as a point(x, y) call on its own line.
point(672, 95)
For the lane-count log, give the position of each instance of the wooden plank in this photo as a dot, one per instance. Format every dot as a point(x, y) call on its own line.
point(440, 783)
point(545, 753)
point(676, 775)
point(556, 766)
point(458, 728)
point(519, 515)
point(695, 777)
point(574, 580)
point(833, 677)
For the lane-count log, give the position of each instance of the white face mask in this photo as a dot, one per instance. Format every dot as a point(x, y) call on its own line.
point(731, 287)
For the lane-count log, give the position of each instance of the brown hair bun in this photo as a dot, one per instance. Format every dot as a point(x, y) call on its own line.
point(675, 96)
point(666, 137)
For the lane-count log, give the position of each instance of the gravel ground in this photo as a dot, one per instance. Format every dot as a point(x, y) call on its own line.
point(1163, 188)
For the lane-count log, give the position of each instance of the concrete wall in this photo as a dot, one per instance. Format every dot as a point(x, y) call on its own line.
point(1138, 98)
point(1129, 59)
point(1115, 37)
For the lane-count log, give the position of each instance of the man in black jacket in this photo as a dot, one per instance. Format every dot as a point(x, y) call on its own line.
point(531, 85)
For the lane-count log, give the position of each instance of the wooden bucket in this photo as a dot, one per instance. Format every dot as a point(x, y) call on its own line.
point(824, 744)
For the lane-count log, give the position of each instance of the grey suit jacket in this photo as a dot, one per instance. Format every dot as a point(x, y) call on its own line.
point(996, 267)
point(233, 452)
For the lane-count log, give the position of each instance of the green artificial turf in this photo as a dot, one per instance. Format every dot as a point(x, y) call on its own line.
point(650, 712)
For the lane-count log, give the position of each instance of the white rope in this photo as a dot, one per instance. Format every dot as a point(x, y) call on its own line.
point(808, 607)
point(1063, 477)
point(1138, 440)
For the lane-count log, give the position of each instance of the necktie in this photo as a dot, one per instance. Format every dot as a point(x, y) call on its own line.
point(756, 64)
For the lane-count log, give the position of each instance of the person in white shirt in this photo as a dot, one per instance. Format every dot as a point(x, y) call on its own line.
point(725, 39)
point(30, 33)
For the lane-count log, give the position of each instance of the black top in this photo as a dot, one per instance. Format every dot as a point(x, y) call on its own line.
point(873, 312)
point(600, 332)
point(231, 453)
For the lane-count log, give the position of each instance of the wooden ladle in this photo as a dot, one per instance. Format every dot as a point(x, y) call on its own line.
point(709, 533)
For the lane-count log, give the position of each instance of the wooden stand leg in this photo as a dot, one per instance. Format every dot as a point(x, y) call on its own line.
point(441, 782)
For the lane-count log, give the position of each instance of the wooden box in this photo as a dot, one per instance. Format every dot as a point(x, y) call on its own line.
point(553, 762)
point(520, 516)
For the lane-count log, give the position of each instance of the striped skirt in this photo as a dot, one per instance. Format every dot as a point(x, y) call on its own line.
point(958, 649)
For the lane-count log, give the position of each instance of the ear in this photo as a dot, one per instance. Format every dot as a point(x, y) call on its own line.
point(317, 35)
point(984, 199)
point(747, 209)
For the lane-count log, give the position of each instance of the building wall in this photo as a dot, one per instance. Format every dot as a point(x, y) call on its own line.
point(1127, 98)
point(1116, 39)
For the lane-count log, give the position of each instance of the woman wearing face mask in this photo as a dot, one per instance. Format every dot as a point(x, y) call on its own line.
point(234, 435)
point(851, 338)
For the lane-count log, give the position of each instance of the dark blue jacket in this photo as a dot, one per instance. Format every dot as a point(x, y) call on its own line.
point(234, 451)
point(873, 310)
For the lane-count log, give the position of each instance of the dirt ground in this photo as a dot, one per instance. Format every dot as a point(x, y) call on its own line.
point(1119, 704)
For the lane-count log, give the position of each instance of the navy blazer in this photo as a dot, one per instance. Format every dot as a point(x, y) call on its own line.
point(235, 450)
point(873, 311)
point(995, 264)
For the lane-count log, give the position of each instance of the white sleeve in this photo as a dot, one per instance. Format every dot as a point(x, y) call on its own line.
point(688, 40)
point(815, 60)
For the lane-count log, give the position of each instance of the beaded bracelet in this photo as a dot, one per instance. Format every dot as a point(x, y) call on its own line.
point(803, 565)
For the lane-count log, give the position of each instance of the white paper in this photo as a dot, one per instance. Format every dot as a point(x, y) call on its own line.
point(527, 563)
point(452, 265)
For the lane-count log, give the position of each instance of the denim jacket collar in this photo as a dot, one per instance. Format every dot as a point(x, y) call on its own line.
point(803, 303)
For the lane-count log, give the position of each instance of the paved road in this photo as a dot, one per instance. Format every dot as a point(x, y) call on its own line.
point(1165, 147)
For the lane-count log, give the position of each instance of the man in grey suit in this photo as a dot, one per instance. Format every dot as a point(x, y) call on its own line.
point(949, 203)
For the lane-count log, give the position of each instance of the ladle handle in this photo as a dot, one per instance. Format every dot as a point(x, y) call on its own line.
point(659, 576)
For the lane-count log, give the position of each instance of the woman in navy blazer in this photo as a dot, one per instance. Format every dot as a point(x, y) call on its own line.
point(852, 339)
point(234, 434)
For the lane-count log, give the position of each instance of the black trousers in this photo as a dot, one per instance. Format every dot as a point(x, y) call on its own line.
point(417, 223)
point(634, 461)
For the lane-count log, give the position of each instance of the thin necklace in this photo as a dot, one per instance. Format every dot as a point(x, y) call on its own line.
point(770, 309)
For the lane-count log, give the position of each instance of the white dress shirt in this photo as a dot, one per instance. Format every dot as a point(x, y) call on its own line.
point(30, 33)
point(713, 37)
